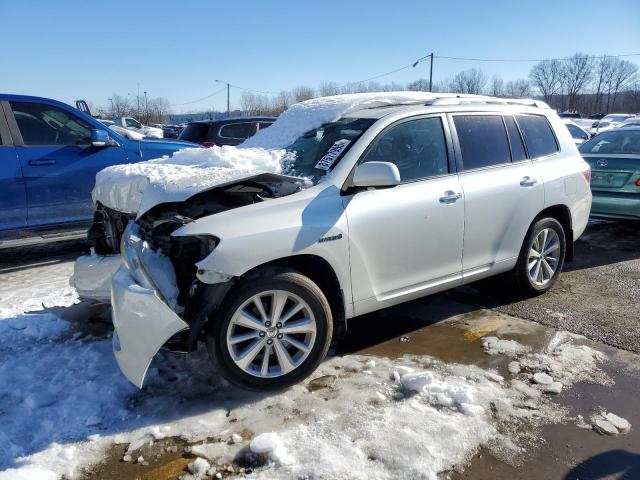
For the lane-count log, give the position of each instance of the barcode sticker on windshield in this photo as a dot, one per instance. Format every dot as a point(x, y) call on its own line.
point(332, 155)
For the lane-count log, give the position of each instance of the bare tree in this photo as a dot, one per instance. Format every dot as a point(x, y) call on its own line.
point(419, 85)
point(328, 88)
point(546, 78)
point(496, 87)
point(576, 74)
point(520, 88)
point(602, 78)
point(280, 103)
point(468, 81)
point(622, 75)
point(302, 93)
point(121, 106)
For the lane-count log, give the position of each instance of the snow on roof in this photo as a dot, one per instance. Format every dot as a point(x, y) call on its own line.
point(304, 116)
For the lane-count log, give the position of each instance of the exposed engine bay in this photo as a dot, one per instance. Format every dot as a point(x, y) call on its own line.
point(195, 300)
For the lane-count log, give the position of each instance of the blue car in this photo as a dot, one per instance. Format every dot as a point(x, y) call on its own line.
point(49, 156)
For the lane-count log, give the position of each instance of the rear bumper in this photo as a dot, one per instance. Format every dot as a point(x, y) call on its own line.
point(616, 205)
point(143, 323)
point(92, 276)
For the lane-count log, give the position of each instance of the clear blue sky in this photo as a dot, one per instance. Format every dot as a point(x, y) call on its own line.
point(176, 49)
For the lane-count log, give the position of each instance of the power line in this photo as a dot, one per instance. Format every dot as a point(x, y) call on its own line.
point(199, 99)
point(529, 59)
point(470, 59)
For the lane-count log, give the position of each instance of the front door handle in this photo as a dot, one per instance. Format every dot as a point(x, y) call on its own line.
point(450, 197)
point(39, 163)
point(528, 181)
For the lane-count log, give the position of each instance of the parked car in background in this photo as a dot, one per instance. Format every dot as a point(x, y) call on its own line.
point(230, 131)
point(579, 134)
point(569, 115)
point(630, 122)
point(131, 123)
point(49, 155)
point(611, 121)
point(597, 116)
point(586, 124)
point(614, 157)
point(401, 195)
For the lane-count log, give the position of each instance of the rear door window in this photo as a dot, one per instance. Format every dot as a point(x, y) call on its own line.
point(262, 125)
point(483, 140)
point(41, 124)
point(238, 130)
point(538, 136)
point(518, 152)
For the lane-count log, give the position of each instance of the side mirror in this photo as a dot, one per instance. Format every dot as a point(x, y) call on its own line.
point(100, 138)
point(376, 174)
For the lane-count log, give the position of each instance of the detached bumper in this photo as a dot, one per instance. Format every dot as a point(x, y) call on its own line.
point(143, 324)
point(92, 276)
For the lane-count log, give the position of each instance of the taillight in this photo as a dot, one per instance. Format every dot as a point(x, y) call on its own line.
point(638, 182)
point(207, 144)
point(587, 175)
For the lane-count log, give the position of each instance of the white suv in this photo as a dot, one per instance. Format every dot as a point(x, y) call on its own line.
point(380, 205)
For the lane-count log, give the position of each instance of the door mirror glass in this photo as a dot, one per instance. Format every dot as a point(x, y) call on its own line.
point(376, 174)
point(100, 138)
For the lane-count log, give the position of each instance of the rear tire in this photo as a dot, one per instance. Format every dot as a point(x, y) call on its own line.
point(257, 309)
point(541, 257)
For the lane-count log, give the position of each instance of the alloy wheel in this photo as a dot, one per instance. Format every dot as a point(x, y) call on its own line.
point(544, 257)
point(271, 333)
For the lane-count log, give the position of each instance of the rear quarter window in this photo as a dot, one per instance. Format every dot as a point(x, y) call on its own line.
point(538, 135)
point(238, 130)
point(483, 140)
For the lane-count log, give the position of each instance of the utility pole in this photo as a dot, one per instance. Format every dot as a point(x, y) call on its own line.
point(430, 68)
point(431, 73)
point(138, 98)
point(228, 87)
point(146, 108)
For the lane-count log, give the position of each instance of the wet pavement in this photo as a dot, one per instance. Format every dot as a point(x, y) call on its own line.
point(597, 296)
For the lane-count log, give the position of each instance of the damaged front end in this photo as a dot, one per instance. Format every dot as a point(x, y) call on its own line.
point(157, 299)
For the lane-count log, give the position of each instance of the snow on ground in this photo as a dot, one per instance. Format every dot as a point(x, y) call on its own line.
point(134, 188)
point(63, 401)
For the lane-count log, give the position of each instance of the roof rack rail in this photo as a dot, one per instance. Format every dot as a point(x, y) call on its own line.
point(453, 99)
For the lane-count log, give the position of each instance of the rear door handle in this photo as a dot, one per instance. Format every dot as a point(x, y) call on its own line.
point(450, 197)
point(528, 181)
point(39, 163)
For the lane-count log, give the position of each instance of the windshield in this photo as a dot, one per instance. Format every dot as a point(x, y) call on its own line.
point(614, 142)
point(316, 152)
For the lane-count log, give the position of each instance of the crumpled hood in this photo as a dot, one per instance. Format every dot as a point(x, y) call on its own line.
point(136, 187)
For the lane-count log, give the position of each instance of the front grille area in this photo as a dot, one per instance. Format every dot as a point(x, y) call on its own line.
point(107, 229)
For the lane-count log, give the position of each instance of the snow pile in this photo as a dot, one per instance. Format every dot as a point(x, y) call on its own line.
point(136, 187)
point(568, 363)
point(270, 445)
point(610, 424)
point(304, 116)
point(496, 346)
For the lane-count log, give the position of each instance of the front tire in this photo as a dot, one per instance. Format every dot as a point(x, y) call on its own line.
point(541, 257)
point(272, 332)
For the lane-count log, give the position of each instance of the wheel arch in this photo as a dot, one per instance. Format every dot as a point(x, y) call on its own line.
point(563, 215)
point(316, 268)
